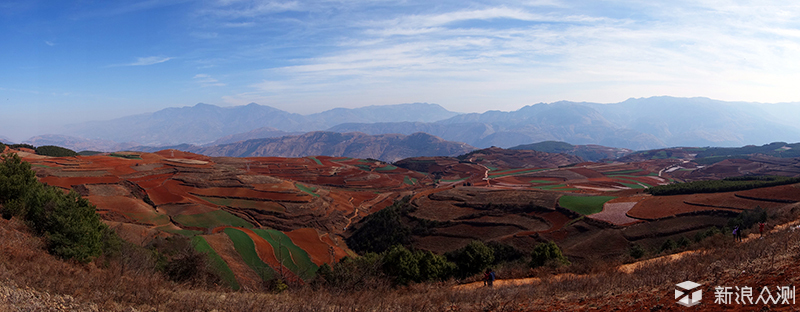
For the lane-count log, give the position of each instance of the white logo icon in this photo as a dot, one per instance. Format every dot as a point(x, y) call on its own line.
point(685, 294)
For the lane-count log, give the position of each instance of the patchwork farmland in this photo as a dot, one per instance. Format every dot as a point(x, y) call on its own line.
point(262, 218)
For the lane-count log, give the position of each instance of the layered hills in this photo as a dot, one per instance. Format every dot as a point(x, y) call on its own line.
point(636, 124)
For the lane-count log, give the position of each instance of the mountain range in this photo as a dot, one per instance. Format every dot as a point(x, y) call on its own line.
point(386, 147)
point(635, 124)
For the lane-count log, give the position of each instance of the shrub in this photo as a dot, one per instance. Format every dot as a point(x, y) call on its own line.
point(668, 245)
point(637, 251)
point(471, 259)
point(547, 253)
point(401, 264)
point(504, 253)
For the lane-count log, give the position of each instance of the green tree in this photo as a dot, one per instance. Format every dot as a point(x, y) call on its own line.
point(434, 267)
point(68, 222)
point(472, 259)
point(17, 183)
point(547, 253)
point(401, 264)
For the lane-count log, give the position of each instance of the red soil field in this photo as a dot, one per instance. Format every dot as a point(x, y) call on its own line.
point(439, 210)
point(240, 192)
point(588, 173)
point(308, 240)
point(657, 207)
point(67, 183)
point(162, 195)
point(729, 200)
point(616, 213)
point(338, 251)
point(478, 232)
point(170, 153)
point(783, 192)
point(152, 181)
point(185, 209)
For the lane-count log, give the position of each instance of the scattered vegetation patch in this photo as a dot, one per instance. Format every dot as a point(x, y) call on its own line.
point(724, 185)
point(585, 205)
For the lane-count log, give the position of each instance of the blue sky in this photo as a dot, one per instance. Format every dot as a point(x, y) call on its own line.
point(72, 61)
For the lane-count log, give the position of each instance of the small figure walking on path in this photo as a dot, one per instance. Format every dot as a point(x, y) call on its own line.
point(761, 228)
point(488, 278)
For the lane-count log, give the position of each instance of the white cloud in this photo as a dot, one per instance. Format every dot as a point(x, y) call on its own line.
point(206, 80)
point(50, 43)
point(150, 60)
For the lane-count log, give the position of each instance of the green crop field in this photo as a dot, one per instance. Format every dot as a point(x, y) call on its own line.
point(342, 159)
point(126, 156)
point(386, 168)
point(290, 255)
point(499, 174)
point(409, 181)
point(315, 160)
point(451, 181)
point(549, 187)
point(200, 244)
point(621, 172)
point(309, 190)
point(247, 249)
point(541, 181)
point(584, 205)
point(211, 220)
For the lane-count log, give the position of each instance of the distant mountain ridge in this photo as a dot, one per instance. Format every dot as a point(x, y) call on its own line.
point(637, 124)
point(204, 123)
point(386, 147)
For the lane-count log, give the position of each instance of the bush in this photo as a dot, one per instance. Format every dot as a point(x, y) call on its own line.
point(547, 253)
point(472, 259)
point(637, 251)
point(668, 245)
point(55, 151)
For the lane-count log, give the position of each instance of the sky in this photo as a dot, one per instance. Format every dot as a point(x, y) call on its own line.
point(67, 62)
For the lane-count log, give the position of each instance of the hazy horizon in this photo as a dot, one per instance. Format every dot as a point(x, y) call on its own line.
point(71, 62)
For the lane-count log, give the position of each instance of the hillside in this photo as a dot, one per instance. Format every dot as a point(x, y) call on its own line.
point(589, 152)
point(387, 147)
